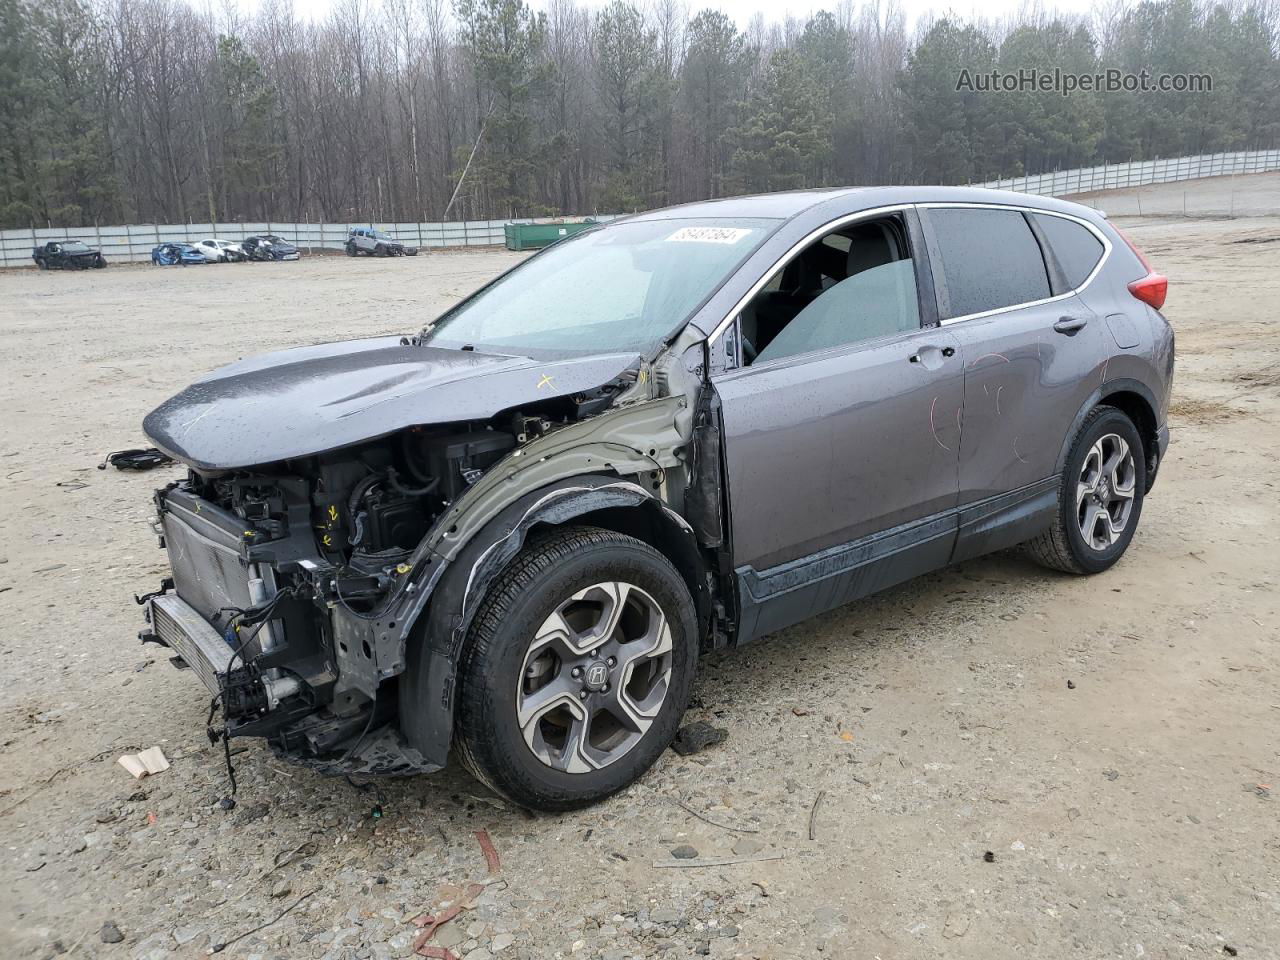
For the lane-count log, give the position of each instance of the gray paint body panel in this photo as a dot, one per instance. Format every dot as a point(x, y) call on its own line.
point(310, 400)
point(825, 450)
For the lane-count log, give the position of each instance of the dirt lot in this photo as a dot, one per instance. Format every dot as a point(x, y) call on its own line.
point(1132, 814)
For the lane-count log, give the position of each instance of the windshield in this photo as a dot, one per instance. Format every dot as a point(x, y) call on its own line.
point(618, 289)
point(74, 246)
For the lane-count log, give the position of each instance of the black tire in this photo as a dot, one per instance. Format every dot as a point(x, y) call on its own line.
point(379, 251)
point(100, 262)
point(548, 571)
point(42, 264)
point(1063, 546)
point(351, 249)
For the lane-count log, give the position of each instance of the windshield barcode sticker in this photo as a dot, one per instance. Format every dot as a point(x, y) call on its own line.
point(708, 235)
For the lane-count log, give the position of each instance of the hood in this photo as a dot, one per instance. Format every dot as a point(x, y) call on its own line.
point(310, 400)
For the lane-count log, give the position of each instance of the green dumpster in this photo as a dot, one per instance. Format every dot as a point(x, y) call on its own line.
point(535, 236)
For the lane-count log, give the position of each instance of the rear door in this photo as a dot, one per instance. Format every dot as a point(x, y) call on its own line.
point(1033, 355)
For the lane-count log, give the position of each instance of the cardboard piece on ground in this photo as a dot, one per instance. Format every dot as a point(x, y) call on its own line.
point(151, 760)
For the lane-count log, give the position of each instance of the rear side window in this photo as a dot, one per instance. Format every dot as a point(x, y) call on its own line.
point(990, 259)
point(1075, 247)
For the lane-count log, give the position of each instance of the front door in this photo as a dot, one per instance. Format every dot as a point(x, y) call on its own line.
point(841, 435)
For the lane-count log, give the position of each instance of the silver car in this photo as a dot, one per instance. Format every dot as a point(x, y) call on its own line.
point(512, 532)
point(376, 243)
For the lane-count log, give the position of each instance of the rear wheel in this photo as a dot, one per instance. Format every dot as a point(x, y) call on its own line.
point(576, 670)
point(1099, 497)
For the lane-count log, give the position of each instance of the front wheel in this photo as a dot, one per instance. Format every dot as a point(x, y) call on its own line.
point(1099, 497)
point(42, 264)
point(351, 249)
point(576, 669)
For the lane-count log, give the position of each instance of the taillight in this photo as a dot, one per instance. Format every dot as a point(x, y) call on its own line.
point(1152, 288)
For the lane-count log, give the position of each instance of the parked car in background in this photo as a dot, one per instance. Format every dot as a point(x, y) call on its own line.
point(511, 534)
point(268, 247)
point(376, 243)
point(177, 254)
point(220, 251)
point(67, 255)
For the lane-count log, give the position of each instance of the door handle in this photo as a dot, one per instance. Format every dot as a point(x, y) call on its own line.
point(928, 355)
point(1070, 325)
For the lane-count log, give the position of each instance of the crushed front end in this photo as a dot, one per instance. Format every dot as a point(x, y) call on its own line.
point(279, 579)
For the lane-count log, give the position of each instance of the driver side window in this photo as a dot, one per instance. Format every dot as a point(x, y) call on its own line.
point(856, 283)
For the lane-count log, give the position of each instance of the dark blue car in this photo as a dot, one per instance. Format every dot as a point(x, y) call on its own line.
point(172, 254)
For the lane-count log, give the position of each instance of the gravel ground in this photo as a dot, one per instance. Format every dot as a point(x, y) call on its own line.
point(992, 761)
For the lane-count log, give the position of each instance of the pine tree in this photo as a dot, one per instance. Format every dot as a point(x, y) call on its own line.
point(783, 135)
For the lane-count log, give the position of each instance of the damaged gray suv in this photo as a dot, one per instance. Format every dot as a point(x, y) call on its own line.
point(513, 532)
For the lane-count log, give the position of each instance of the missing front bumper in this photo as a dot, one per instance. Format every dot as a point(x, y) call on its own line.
point(180, 627)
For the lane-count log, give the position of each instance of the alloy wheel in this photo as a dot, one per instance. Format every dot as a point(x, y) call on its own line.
point(1105, 491)
point(594, 677)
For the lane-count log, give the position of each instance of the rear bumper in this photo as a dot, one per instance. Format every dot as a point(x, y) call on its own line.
point(1162, 444)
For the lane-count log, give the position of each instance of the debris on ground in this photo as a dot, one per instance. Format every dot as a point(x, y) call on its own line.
point(1071, 684)
point(110, 933)
point(813, 815)
point(144, 458)
point(1111, 774)
point(717, 861)
point(696, 737)
point(684, 852)
point(219, 947)
point(149, 761)
point(989, 857)
point(449, 902)
point(490, 852)
point(736, 828)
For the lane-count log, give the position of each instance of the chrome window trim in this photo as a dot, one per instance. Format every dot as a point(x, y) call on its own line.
point(1092, 228)
point(790, 255)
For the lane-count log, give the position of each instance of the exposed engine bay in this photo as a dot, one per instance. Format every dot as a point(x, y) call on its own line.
point(291, 576)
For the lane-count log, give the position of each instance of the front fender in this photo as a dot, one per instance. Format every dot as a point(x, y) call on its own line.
point(430, 677)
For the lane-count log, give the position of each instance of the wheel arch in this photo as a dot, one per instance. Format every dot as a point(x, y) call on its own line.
point(1132, 398)
point(428, 685)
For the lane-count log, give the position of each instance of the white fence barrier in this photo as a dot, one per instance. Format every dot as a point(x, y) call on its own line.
point(1140, 173)
point(134, 242)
